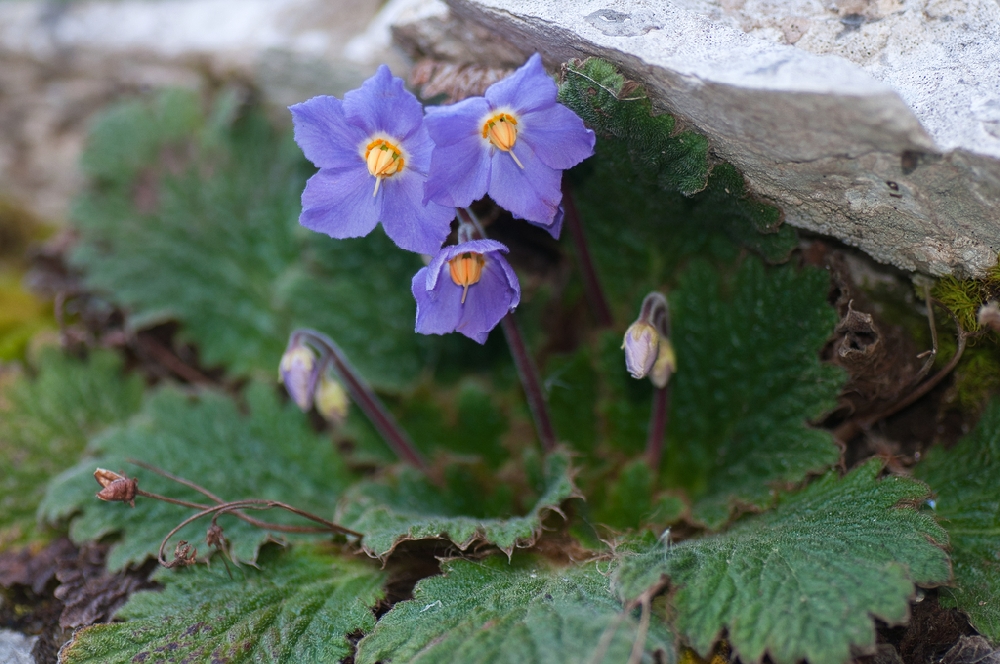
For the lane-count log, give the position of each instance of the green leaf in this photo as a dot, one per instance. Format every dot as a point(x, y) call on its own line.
point(629, 501)
point(806, 580)
point(636, 195)
point(748, 380)
point(45, 422)
point(967, 503)
point(270, 453)
point(199, 225)
point(571, 383)
point(524, 611)
point(299, 606)
point(407, 506)
point(612, 107)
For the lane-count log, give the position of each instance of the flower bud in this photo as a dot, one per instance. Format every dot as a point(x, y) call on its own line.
point(666, 362)
point(648, 351)
point(331, 399)
point(297, 371)
point(641, 345)
point(116, 487)
point(989, 315)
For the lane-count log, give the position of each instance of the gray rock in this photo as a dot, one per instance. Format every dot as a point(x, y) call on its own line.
point(880, 126)
point(61, 62)
point(15, 648)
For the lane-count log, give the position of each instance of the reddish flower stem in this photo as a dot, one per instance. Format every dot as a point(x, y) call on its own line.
point(363, 395)
point(658, 426)
point(530, 381)
point(253, 504)
point(591, 284)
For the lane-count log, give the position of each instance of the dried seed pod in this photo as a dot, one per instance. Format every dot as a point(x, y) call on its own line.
point(184, 554)
point(117, 487)
point(215, 537)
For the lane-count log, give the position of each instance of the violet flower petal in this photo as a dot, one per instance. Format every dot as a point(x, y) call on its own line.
point(448, 125)
point(322, 131)
point(383, 104)
point(555, 227)
point(527, 89)
point(557, 135)
point(460, 163)
point(409, 223)
point(340, 202)
point(532, 192)
point(436, 313)
point(460, 173)
point(487, 302)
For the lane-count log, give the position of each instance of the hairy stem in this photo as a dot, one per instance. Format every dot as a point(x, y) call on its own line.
point(363, 395)
point(591, 284)
point(530, 382)
point(253, 504)
point(258, 523)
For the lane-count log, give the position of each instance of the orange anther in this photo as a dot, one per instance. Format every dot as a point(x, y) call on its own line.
point(466, 269)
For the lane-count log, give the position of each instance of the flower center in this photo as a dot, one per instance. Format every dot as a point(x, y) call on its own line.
point(501, 131)
point(383, 159)
point(466, 268)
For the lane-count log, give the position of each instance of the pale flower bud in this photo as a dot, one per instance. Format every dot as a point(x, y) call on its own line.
point(989, 315)
point(297, 369)
point(665, 364)
point(331, 399)
point(648, 351)
point(640, 344)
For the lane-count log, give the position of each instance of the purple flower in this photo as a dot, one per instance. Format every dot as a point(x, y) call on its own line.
point(373, 153)
point(466, 288)
point(512, 144)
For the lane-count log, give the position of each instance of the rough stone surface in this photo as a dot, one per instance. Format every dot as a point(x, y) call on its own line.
point(15, 648)
point(61, 62)
point(879, 126)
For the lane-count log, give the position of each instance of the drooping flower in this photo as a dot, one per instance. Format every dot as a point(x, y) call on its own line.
point(373, 153)
point(648, 351)
point(513, 144)
point(466, 288)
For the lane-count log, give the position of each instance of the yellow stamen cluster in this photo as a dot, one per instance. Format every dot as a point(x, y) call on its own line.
point(501, 131)
point(466, 269)
point(384, 159)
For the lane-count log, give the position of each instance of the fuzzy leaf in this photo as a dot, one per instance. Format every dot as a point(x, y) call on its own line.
point(299, 606)
point(407, 506)
point(803, 581)
point(525, 611)
point(749, 378)
point(639, 225)
point(271, 453)
point(200, 225)
point(600, 95)
point(45, 422)
point(967, 503)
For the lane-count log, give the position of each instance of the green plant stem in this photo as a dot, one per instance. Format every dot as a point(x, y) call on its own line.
point(530, 382)
point(591, 284)
point(658, 426)
point(363, 395)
